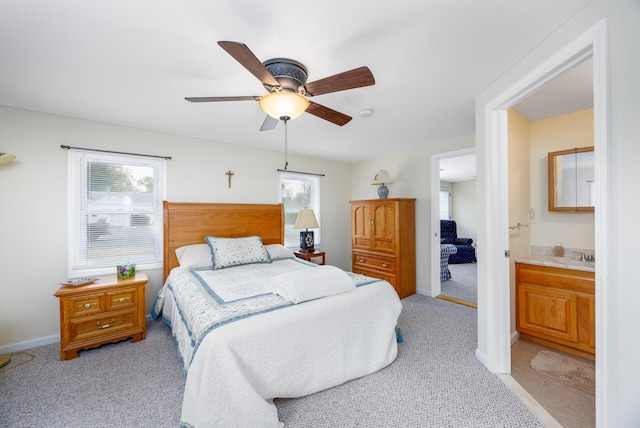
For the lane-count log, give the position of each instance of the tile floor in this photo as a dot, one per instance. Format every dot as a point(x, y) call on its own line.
point(571, 407)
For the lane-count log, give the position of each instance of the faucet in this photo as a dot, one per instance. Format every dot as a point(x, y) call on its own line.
point(584, 257)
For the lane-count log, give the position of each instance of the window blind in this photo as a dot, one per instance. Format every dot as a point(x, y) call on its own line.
point(115, 211)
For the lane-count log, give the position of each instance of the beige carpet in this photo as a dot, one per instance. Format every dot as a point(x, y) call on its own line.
point(572, 371)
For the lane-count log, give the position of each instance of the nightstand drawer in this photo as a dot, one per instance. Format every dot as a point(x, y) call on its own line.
point(121, 299)
point(98, 326)
point(374, 262)
point(86, 305)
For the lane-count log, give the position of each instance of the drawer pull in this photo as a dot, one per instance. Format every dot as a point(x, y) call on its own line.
point(121, 299)
point(87, 305)
point(113, 321)
point(383, 264)
point(362, 260)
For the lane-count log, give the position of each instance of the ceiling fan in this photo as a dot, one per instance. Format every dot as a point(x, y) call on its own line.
point(286, 82)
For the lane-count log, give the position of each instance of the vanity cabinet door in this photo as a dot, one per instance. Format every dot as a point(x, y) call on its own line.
point(548, 311)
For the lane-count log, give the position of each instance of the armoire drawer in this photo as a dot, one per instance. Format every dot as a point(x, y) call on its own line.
point(365, 261)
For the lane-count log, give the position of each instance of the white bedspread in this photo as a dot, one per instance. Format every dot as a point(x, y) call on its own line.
point(296, 350)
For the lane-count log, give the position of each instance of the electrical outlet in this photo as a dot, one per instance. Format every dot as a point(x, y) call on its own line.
point(532, 213)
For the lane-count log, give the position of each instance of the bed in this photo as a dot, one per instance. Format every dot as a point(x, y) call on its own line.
point(248, 329)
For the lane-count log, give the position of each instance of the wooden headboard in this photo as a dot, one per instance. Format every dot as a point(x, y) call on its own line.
point(188, 223)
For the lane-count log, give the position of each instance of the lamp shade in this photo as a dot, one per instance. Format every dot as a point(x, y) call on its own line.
point(382, 177)
point(284, 104)
point(306, 220)
point(6, 157)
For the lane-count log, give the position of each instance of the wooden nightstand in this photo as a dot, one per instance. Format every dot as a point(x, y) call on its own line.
point(109, 310)
point(311, 255)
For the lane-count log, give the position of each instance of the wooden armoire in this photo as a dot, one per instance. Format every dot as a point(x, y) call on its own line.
point(383, 241)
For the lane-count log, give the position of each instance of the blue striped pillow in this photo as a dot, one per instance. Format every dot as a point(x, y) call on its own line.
point(228, 252)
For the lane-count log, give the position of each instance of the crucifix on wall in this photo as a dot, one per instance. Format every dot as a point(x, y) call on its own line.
point(229, 173)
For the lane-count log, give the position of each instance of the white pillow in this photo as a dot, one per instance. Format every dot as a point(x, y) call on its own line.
point(229, 252)
point(196, 256)
point(279, 252)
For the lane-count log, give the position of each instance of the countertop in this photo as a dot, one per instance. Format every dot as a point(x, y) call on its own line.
point(558, 262)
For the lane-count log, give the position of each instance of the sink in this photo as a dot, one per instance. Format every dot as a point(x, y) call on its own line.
point(554, 261)
point(574, 262)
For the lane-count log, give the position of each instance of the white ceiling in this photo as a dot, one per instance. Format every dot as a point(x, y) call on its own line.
point(570, 92)
point(133, 62)
point(567, 93)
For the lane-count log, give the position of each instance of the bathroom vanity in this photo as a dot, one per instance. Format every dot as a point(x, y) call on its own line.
point(555, 303)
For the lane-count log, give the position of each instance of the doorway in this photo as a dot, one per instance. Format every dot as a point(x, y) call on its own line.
point(455, 175)
point(436, 159)
point(494, 309)
point(557, 116)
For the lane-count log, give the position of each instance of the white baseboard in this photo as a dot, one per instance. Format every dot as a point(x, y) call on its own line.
point(514, 337)
point(28, 344)
point(482, 358)
point(423, 292)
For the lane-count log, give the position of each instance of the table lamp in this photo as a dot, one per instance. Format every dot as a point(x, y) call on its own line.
point(305, 220)
point(381, 178)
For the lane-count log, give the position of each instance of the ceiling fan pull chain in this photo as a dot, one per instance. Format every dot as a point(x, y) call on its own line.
point(286, 160)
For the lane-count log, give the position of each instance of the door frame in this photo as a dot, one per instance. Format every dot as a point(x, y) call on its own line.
point(436, 289)
point(493, 275)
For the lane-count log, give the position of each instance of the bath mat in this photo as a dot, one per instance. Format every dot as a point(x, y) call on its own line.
point(572, 371)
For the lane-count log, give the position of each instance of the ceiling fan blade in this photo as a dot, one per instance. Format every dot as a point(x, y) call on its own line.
point(216, 99)
point(248, 60)
point(355, 78)
point(269, 123)
point(326, 113)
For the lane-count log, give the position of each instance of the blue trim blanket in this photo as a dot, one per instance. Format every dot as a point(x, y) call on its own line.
point(241, 345)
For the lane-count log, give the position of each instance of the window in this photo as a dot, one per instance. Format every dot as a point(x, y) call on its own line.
point(445, 202)
point(297, 192)
point(115, 211)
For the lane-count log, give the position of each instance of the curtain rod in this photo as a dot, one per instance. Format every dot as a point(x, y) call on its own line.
point(119, 153)
point(300, 172)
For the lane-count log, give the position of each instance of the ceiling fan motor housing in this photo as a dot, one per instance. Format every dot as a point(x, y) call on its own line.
point(291, 74)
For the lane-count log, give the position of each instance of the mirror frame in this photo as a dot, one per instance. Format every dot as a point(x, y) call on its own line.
point(552, 184)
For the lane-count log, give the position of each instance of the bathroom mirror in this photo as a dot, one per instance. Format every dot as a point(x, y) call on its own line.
point(571, 180)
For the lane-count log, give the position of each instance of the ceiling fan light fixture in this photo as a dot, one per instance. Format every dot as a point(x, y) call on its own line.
point(6, 157)
point(284, 104)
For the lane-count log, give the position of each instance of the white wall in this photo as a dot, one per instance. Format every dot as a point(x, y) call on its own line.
point(464, 209)
point(571, 229)
point(519, 199)
point(33, 207)
point(411, 174)
point(619, 311)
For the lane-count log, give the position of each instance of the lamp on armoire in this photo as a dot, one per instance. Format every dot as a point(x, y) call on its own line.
point(381, 178)
point(306, 220)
